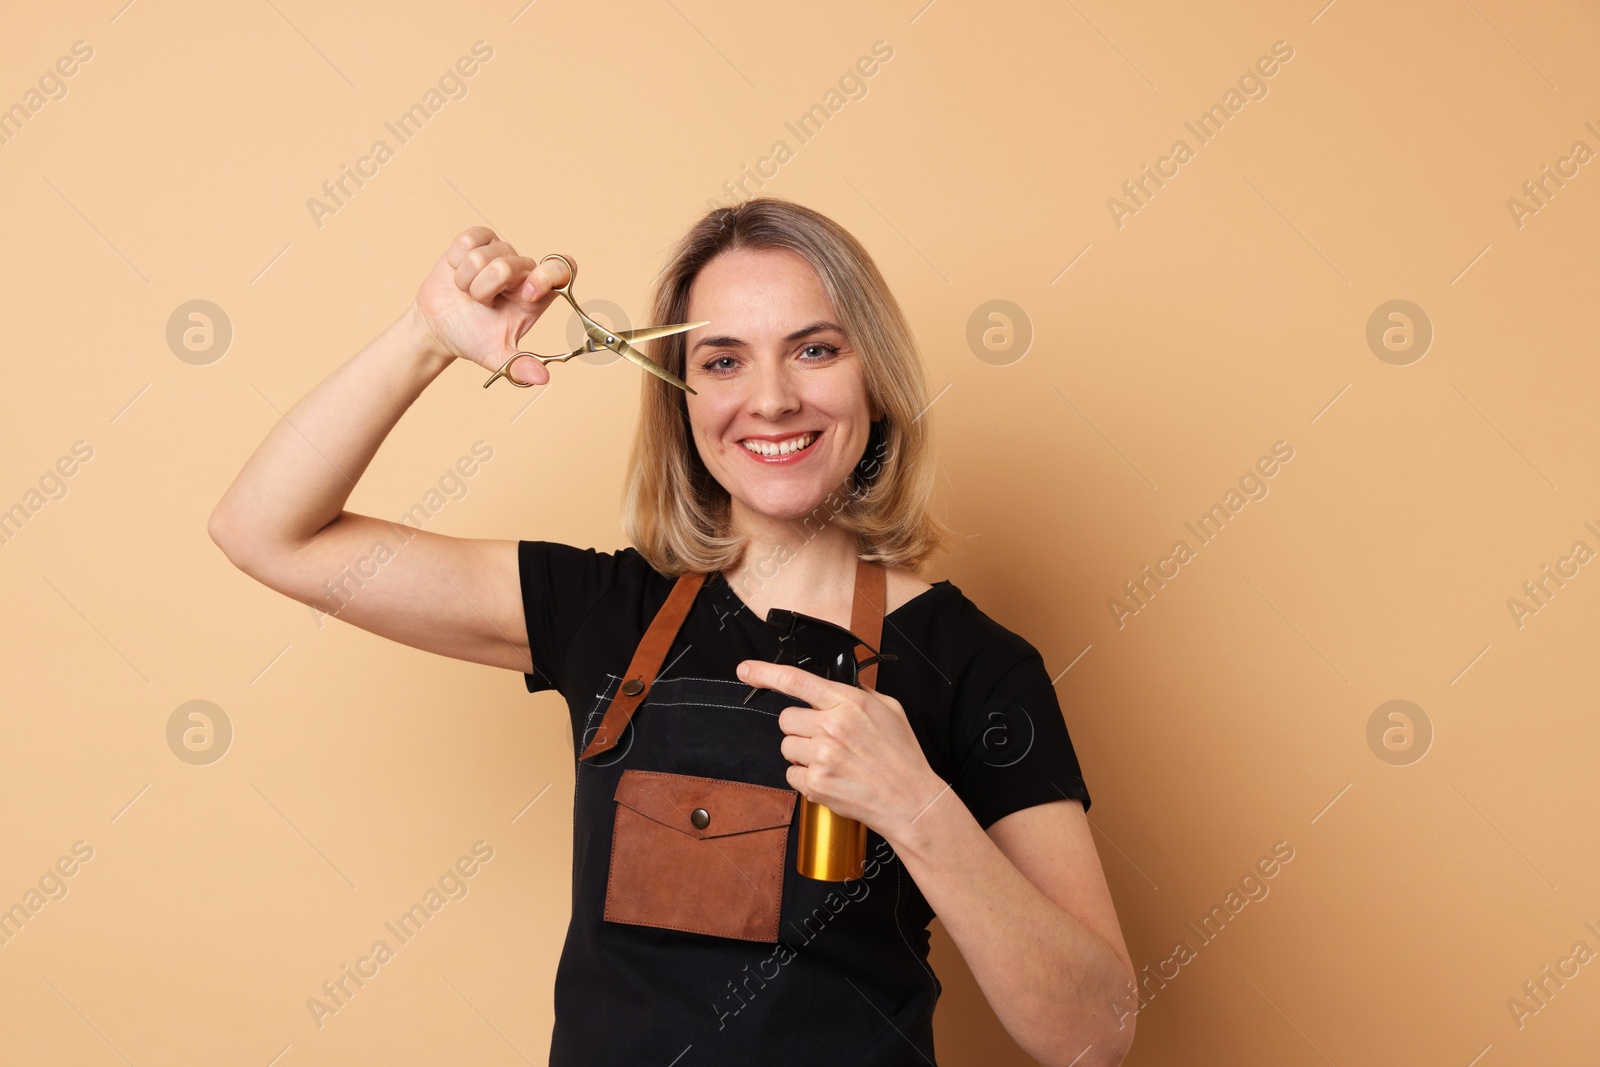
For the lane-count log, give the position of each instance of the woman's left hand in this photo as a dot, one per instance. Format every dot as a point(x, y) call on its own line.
point(852, 751)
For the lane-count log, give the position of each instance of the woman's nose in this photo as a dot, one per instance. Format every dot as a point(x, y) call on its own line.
point(772, 392)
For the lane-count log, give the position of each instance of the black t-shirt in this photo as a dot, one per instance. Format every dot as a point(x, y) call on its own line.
point(978, 699)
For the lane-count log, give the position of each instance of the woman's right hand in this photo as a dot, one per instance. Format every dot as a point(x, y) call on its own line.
point(481, 297)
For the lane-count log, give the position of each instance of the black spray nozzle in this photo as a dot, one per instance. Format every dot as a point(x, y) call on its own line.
point(818, 646)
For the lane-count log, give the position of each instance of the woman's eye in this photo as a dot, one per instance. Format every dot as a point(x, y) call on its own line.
point(724, 365)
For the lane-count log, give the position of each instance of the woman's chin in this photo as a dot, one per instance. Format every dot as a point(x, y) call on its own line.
point(789, 507)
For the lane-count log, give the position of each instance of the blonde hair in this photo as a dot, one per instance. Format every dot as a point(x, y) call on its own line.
point(677, 515)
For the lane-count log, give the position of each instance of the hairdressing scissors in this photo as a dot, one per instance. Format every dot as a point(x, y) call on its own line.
point(600, 337)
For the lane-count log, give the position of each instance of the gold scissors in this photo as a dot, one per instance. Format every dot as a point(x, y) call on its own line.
point(600, 337)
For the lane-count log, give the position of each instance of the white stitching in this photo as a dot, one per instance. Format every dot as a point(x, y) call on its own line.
point(690, 678)
point(700, 704)
point(647, 702)
point(666, 681)
point(607, 688)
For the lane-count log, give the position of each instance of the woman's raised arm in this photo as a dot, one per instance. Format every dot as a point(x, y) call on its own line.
point(283, 522)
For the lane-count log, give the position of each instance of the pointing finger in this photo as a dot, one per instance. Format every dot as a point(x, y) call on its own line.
point(793, 681)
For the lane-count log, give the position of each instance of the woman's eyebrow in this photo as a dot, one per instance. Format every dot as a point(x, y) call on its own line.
point(726, 341)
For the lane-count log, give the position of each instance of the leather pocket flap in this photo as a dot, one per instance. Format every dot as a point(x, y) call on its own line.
point(682, 802)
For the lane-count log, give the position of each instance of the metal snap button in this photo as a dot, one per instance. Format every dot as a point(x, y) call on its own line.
point(700, 817)
point(632, 687)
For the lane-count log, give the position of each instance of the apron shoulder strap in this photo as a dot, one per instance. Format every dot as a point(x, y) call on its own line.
point(646, 663)
point(866, 614)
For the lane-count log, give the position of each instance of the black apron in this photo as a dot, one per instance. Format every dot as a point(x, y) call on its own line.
point(694, 940)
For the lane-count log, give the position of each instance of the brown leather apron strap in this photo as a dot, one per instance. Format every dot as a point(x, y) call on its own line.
point(866, 614)
point(646, 663)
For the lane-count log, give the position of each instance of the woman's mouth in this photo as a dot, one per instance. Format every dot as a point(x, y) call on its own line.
point(788, 450)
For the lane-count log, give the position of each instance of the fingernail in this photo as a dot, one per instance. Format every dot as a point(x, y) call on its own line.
point(742, 670)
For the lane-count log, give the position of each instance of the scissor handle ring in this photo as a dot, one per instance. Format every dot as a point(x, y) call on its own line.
point(566, 291)
point(505, 368)
point(572, 275)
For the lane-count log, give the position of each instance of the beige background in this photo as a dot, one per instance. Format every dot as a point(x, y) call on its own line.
point(1228, 313)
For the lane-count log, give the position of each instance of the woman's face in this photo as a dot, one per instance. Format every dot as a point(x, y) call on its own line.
point(772, 371)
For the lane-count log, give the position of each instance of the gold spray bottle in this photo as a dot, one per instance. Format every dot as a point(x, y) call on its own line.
point(830, 848)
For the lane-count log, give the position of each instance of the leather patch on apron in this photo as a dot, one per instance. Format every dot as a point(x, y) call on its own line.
point(701, 855)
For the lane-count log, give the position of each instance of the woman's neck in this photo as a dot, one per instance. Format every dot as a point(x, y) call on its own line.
point(809, 570)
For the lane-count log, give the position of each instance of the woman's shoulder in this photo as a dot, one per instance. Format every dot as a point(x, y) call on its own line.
point(572, 579)
point(901, 585)
point(561, 556)
point(943, 618)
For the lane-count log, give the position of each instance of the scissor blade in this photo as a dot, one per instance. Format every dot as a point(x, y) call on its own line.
point(626, 350)
point(650, 333)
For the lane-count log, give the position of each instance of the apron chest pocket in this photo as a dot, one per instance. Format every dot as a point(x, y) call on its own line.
point(701, 855)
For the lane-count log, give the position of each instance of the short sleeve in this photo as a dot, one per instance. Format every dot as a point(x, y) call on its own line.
point(561, 585)
point(1012, 750)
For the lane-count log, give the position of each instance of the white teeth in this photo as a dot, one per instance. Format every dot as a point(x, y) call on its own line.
point(779, 448)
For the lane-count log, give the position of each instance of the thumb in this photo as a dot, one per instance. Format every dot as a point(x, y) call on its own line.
point(527, 370)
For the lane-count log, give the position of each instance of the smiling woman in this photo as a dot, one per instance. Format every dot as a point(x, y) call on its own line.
point(797, 475)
